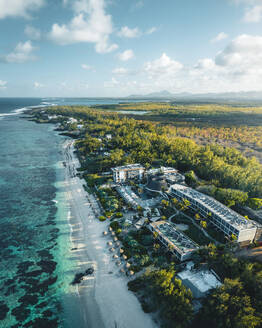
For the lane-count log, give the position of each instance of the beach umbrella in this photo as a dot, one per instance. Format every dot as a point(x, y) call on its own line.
point(118, 243)
point(112, 249)
point(122, 270)
point(121, 251)
point(105, 233)
point(115, 256)
point(131, 273)
point(112, 233)
point(124, 257)
point(110, 229)
point(109, 243)
point(115, 239)
point(128, 265)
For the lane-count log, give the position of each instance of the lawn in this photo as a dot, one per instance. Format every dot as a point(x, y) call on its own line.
point(193, 232)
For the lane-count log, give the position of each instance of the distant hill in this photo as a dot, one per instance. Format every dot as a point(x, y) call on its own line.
point(186, 96)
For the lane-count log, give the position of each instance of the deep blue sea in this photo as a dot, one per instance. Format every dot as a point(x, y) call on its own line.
point(35, 268)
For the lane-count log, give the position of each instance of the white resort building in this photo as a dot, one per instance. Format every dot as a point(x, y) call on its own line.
point(222, 217)
point(178, 243)
point(132, 171)
point(200, 282)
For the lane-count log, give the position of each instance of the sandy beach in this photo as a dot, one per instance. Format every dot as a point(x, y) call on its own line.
point(103, 298)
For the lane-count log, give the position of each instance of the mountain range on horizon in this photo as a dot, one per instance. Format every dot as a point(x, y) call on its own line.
point(164, 94)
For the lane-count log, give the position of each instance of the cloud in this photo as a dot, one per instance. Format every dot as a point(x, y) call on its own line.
point(151, 30)
point(238, 67)
point(205, 63)
point(32, 32)
point(14, 8)
point(3, 84)
point(87, 67)
point(163, 66)
point(127, 32)
point(38, 85)
point(89, 24)
point(111, 84)
point(252, 10)
point(120, 70)
point(126, 55)
point(137, 5)
point(254, 14)
point(221, 36)
point(243, 53)
point(22, 53)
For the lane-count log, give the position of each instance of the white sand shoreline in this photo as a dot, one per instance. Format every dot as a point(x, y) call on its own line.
point(103, 298)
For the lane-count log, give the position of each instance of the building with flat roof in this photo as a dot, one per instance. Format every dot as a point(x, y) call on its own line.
point(225, 219)
point(178, 243)
point(200, 282)
point(132, 171)
point(160, 179)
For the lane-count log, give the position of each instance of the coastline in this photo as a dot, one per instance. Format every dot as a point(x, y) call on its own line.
point(102, 299)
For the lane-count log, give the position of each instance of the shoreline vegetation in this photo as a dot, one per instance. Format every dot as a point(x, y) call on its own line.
point(195, 140)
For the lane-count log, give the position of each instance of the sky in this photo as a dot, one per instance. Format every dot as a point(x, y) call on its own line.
point(115, 48)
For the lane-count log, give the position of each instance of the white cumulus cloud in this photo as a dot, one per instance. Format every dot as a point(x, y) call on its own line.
point(253, 14)
point(89, 24)
point(252, 10)
point(32, 32)
point(151, 30)
point(126, 55)
point(162, 66)
point(238, 67)
point(221, 36)
point(9, 8)
point(127, 32)
point(23, 52)
point(205, 63)
point(38, 85)
point(120, 70)
point(243, 53)
point(130, 33)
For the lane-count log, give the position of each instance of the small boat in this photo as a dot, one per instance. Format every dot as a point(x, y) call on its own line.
point(90, 270)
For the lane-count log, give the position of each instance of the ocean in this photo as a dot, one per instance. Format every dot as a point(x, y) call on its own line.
point(35, 264)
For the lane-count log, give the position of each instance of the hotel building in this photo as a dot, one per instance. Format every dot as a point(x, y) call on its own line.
point(222, 217)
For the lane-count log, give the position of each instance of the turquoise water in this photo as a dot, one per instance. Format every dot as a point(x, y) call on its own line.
point(30, 229)
point(35, 263)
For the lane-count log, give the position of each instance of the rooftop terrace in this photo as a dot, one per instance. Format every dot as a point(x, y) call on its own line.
point(128, 167)
point(228, 215)
point(181, 242)
point(203, 281)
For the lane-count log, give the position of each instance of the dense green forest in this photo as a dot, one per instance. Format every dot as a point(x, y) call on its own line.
point(151, 143)
point(230, 125)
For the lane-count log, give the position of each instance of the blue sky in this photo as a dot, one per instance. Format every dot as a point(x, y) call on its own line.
point(86, 48)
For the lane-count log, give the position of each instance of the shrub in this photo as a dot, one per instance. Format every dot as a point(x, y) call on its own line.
point(119, 215)
point(147, 240)
point(255, 203)
point(108, 214)
point(115, 225)
point(136, 285)
point(102, 218)
point(147, 307)
point(191, 178)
